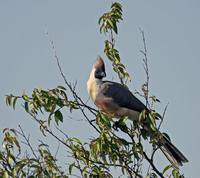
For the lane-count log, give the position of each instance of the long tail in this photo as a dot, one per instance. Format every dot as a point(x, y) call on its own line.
point(172, 153)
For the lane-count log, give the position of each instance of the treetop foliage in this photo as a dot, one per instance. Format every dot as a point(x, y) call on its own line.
point(117, 146)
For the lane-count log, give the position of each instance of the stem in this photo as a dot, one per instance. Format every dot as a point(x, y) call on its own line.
point(145, 65)
point(76, 97)
point(152, 165)
point(112, 42)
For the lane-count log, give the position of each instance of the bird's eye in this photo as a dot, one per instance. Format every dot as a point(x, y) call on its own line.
point(100, 74)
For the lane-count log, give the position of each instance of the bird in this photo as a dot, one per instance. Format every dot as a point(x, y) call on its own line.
point(117, 101)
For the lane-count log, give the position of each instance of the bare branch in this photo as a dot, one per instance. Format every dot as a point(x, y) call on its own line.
point(145, 65)
point(152, 165)
point(163, 116)
point(76, 97)
point(27, 140)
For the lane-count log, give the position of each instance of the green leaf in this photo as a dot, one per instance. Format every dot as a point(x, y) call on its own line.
point(103, 120)
point(70, 168)
point(26, 106)
point(25, 97)
point(58, 117)
point(8, 100)
point(74, 139)
point(111, 24)
point(5, 174)
point(166, 168)
point(158, 116)
point(61, 87)
point(73, 105)
point(144, 134)
point(14, 102)
point(100, 19)
point(46, 173)
point(175, 173)
point(117, 5)
point(115, 28)
point(152, 122)
point(153, 175)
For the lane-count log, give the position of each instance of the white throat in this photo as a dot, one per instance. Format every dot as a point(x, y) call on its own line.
point(93, 85)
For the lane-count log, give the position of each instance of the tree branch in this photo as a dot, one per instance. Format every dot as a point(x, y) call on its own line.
point(152, 165)
point(146, 68)
point(76, 97)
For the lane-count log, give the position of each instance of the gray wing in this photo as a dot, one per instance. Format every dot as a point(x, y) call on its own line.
point(121, 96)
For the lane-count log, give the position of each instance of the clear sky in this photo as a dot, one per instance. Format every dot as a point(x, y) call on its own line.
point(172, 32)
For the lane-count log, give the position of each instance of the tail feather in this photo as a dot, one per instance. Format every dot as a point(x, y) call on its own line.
point(172, 153)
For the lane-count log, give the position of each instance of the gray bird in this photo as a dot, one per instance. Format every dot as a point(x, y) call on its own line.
point(117, 101)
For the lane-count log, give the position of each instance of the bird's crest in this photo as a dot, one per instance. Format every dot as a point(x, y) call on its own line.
point(99, 63)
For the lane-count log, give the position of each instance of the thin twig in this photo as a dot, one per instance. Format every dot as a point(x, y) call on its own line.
point(27, 141)
point(57, 150)
point(61, 131)
point(112, 42)
point(49, 131)
point(76, 97)
point(146, 94)
point(145, 65)
point(152, 165)
point(162, 119)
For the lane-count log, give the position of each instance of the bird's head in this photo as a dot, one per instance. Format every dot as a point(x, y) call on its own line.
point(99, 68)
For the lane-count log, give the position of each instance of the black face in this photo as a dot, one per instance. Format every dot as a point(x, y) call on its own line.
point(100, 73)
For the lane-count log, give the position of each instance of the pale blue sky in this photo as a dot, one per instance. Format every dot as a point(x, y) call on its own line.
point(172, 32)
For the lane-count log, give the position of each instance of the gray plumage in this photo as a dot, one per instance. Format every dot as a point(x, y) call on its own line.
point(121, 95)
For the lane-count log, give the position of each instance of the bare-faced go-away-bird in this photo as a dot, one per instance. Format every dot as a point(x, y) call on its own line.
point(116, 100)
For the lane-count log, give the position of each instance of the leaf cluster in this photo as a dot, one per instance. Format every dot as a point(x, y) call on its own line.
point(49, 101)
point(108, 21)
point(15, 165)
point(108, 24)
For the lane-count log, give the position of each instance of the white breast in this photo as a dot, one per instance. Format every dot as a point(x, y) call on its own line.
point(93, 85)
